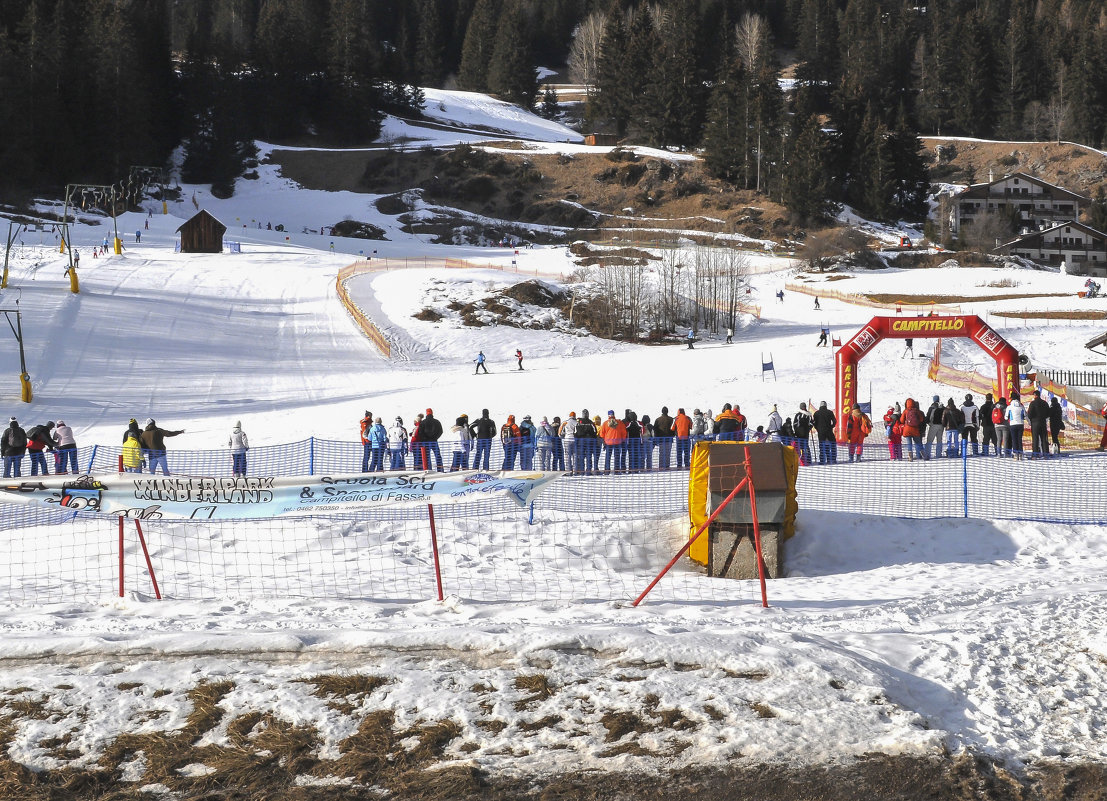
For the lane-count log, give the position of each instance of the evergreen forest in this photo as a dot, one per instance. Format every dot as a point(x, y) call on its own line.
point(814, 102)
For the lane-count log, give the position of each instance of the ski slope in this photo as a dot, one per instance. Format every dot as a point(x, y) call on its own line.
point(904, 637)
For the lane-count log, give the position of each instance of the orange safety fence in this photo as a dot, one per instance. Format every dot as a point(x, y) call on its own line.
point(368, 327)
point(858, 300)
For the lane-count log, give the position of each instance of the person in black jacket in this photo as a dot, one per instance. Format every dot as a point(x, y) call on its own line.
point(935, 430)
point(824, 422)
point(802, 425)
point(483, 431)
point(153, 445)
point(588, 446)
point(988, 426)
point(1037, 412)
point(663, 435)
point(429, 432)
point(13, 447)
point(1056, 423)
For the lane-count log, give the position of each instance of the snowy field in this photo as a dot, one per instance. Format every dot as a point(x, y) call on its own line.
point(887, 635)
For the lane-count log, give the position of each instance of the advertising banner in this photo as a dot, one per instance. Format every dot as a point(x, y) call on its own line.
point(153, 497)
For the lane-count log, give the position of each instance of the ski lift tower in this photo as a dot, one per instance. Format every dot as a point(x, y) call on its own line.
point(97, 194)
point(17, 329)
point(140, 178)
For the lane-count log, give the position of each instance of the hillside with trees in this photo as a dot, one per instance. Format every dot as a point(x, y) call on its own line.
point(809, 103)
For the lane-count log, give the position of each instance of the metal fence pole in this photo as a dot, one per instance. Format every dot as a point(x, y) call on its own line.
point(311, 456)
point(92, 459)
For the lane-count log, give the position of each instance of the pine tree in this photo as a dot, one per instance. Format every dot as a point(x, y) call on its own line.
point(613, 96)
point(911, 179)
point(724, 135)
point(807, 184)
point(974, 91)
point(673, 97)
point(430, 69)
point(511, 73)
point(480, 42)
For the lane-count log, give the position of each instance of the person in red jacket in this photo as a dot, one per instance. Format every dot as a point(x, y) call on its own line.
point(913, 421)
point(366, 424)
point(893, 430)
point(1103, 440)
point(511, 439)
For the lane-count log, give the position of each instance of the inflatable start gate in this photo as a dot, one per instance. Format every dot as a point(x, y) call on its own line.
point(968, 326)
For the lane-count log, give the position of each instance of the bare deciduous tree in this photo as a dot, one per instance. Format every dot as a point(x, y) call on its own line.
point(584, 51)
point(750, 37)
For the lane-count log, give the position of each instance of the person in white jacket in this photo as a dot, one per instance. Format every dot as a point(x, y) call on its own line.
point(66, 452)
point(397, 444)
point(459, 441)
point(239, 444)
point(1016, 420)
point(568, 433)
point(772, 430)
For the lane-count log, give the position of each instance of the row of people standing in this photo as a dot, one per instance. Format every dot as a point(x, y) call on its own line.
point(37, 441)
point(951, 430)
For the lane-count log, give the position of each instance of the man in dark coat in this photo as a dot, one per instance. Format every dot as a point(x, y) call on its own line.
point(429, 432)
point(153, 445)
point(483, 431)
point(1037, 413)
point(824, 421)
point(13, 447)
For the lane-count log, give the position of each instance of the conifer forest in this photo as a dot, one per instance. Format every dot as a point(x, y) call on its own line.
point(814, 101)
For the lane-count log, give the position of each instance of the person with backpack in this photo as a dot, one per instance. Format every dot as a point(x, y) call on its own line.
point(430, 430)
point(971, 418)
point(397, 444)
point(239, 444)
point(1037, 413)
point(482, 431)
point(951, 422)
point(39, 439)
point(802, 425)
point(858, 427)
point(894, 436)
point(67, 449)
point(913, 421)
point(509, 439)
point(13, 447)
point(988, 426)
point(935, 430)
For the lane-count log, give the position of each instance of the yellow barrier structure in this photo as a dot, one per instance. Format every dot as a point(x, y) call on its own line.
point(368, 327)
point(858, 300)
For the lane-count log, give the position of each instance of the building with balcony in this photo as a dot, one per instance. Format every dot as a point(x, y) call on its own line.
point(1082, 248)
point(1039, 204)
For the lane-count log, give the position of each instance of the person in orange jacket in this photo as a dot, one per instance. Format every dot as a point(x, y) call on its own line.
point(913, 421)
point(511, 439)
point(682, 430)
point(614, 433)
point(858, 426)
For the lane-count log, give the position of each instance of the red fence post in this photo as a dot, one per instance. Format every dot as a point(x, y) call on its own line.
point(149, 564)
point(434, 547)
point(121, 556)
point(693, 538)
point(756, 532)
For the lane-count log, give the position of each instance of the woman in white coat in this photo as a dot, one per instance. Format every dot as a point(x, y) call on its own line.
point(239, 444)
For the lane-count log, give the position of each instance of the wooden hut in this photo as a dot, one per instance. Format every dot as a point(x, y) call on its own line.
point(202, 234)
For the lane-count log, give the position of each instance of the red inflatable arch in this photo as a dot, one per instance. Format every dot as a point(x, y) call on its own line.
point(878, 328)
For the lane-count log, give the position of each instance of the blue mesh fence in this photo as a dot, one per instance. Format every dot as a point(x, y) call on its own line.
point(583, 538)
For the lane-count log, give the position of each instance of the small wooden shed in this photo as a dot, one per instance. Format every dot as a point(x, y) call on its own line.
point(202, 234)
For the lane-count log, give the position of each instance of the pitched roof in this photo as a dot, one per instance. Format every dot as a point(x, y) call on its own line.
point(1059, 192)
point(1041, 234)
point(200, 215)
